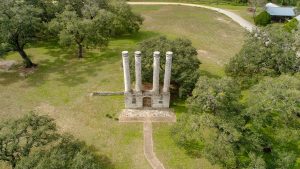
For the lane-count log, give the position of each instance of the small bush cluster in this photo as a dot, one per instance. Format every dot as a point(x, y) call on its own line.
point(291, 25)
point(263, 19)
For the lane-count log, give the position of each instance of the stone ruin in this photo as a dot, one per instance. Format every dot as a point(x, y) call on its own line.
point(155, 98)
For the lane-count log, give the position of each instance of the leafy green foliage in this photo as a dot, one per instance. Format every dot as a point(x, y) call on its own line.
point(91, 23)
point(125, 21)
point(185, 64)
point(292, 25)
point(48, 8)
point(269, 52)
point(4, 48)
point(273, 107)
point(19, 137)
point(262, 19)
point(82, 31)
point(215, 96)
point(33, 142)
point(214, 124)
point(19, 25)
point(68, 154)
point(287, 2)
point(224, 132)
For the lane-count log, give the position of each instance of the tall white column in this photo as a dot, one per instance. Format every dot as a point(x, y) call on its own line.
point(156, 66)
point(168, 67)
point(138, 71)
point(126, 71)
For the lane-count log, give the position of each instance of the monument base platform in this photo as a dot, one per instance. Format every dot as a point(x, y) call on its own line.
point(147, 115)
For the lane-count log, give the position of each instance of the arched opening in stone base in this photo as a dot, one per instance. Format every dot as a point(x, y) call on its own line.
point(147, 102)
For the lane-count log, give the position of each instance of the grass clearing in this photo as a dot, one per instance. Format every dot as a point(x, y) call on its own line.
point(61, 85)
point(215, 36)
point(240, 9)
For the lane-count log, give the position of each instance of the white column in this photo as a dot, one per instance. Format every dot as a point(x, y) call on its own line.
point(126, 71)
point(138, 71)
point(156, 66)
point(168, 67)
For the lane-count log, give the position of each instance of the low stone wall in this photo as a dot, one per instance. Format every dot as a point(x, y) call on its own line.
point(107, 93)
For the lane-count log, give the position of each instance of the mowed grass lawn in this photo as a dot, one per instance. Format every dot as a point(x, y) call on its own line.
point(215, 36)
point(61, 85)
point(240, 9)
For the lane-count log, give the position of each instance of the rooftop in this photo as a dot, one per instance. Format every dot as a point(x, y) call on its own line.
point(281, 11)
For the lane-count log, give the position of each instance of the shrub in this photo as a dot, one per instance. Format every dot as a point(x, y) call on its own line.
point(262, 19)
point(291, 25)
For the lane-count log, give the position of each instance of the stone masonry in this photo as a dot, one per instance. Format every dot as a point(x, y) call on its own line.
point(135, 99)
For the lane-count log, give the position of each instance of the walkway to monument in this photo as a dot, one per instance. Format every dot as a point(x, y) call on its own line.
point(236, 18)
point(147, 117)
point(148, 147)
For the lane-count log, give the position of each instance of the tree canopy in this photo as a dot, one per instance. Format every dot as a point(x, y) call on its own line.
point(68, 153)
point(185, 64)
point(212, 124)
point(33, 142)
point(85, 23)
point(82, 31)
point(272, 51)
point(91, 23)
point(242, 136)
point(19, 25)
point(19, 137)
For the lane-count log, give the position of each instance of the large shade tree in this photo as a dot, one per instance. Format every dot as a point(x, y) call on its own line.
point(212, 126)
point(93, 29)
point(33, 142)
point(90, 23)
point(19, 25)
point(272, 51)
point(66, 153)
point(274, 107)
point(19, 137)
point(262, 133)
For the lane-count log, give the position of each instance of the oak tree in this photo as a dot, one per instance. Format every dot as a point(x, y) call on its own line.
point(19, 137)
point(19, 25)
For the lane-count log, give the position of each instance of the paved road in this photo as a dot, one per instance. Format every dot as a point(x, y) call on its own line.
point(148, 147)
point(241, 21)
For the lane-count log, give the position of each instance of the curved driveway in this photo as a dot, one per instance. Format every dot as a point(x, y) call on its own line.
point(241, 21)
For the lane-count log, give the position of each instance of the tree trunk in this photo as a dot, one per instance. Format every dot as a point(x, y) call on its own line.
point(80, 51)
point(27, 61)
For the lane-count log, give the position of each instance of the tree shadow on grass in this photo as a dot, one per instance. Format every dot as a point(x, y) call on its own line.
point(139, 36)
point(7, 78)
point(71, 71)
point(63, 65)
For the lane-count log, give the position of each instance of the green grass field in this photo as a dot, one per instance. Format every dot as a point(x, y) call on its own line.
point(61, 85)
point(216, 37)
point(240, 9)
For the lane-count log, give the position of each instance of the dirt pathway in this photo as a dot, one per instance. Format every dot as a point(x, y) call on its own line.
point(241, 21)
point(148, 147)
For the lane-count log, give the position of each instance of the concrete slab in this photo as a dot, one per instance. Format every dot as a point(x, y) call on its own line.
point(147, 115)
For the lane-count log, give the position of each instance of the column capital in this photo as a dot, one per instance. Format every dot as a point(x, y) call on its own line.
point(169, 54)
point(156, 54)
point(138, 53)
point(125, 53)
